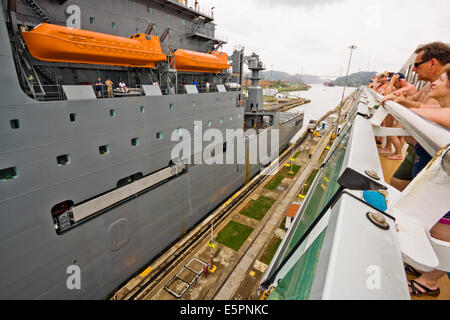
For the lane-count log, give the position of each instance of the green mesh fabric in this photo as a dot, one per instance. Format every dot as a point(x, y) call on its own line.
point(296, 285)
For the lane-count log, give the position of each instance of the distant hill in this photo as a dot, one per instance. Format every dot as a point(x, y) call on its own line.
point(356, 79)
point(284, 76)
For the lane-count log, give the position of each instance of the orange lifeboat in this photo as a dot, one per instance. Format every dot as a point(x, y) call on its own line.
point(193, 61)
point(56, 43)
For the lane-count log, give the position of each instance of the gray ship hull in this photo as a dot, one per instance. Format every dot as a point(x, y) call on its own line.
point(111, 247)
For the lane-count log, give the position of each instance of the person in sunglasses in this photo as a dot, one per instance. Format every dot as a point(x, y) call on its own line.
point(428, 65)
point(382, 82)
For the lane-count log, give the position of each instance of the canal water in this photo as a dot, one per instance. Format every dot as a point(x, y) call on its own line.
point(323, 99)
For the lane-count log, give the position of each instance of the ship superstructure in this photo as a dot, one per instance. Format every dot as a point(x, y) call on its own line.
point(88, 184)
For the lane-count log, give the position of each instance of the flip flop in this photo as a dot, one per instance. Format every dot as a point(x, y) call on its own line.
point(410, 270)
point(418, 293)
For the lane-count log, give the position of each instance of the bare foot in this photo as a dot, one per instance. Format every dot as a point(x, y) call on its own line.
point(383, 150)
point(395, 157)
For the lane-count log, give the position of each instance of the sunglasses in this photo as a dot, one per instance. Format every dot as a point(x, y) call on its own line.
point(417, 64)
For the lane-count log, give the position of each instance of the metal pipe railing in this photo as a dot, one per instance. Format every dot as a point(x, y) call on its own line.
point(431, 136)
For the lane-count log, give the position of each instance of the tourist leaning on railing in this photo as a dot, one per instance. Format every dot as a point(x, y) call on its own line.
point(428, 65)
point(397, 86)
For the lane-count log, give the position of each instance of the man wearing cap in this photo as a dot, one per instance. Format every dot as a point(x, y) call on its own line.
point(399, 86)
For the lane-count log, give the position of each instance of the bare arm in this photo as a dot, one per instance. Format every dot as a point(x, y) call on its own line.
point(440, 116)
point(408, 103)
point(391, 86)
point(405, 90)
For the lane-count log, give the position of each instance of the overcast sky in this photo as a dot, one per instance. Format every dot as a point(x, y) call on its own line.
point(316, 34)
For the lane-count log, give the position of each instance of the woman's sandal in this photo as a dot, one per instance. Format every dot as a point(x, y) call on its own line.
point(415, 291)
point(410, 270)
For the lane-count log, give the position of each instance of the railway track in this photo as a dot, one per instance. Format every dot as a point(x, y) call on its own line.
point(201, 232)
point(146, 281)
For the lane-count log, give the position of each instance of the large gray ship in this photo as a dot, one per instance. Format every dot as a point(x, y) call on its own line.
point(87, 181)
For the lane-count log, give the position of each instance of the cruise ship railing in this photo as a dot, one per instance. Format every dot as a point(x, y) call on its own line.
point(294, 280)
point(313, 269)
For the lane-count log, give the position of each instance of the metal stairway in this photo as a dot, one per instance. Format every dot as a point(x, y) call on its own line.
point(39, 10)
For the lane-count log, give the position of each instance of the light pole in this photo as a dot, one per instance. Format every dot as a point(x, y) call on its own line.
point(352, 47)
point(271, 72)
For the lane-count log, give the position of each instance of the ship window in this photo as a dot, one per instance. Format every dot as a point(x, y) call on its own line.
point(209, 123)
point(92, 20)
point(63, 160)
point(114, 26)
point(138, 35)
point(193, 103)
point(149, 9)
point(8, 173)
point(138, 31)
point(103, 149)
point(221, 120)
point(231, 118)
point(159, 136)
point(135, 142)
point(15, 124)
point(181, 42)
point(112, 113)
point(169, 17)
point(73, 117)
point(142, 109)
point(171, 106)
point(128, 3)
point(240, 116)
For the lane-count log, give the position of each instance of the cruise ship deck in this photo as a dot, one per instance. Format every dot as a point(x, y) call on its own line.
point(389, 167)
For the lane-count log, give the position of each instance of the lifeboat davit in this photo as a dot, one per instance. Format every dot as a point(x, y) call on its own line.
point(193, 61)
point(56, 43)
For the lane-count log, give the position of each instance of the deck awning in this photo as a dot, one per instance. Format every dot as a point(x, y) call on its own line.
point(292, 210)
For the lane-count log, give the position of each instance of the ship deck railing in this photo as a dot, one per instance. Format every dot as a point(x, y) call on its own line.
point(343, 255)
point(55, 92)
